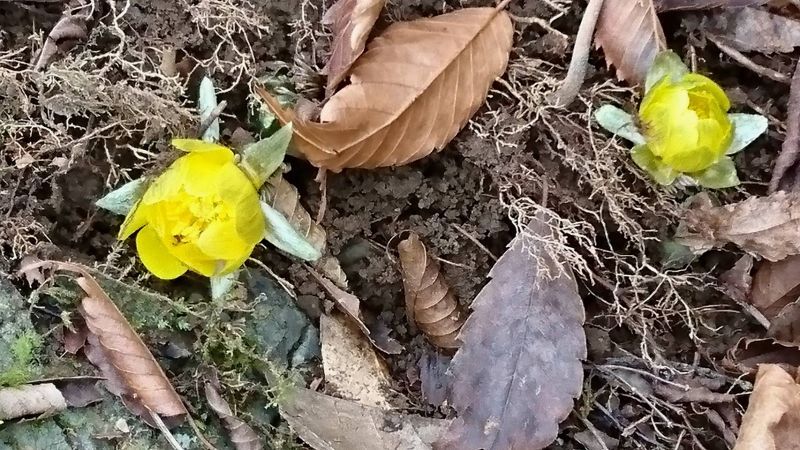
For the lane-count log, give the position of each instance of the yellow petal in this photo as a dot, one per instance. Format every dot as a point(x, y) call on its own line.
point(697, 82)
point(197, 145)
point(220, 240)
point(156, 257)
point(234, 264)
point(167, 185)
point(197, 261)
point(250, 222)
point(205, 171)
point(136, 218)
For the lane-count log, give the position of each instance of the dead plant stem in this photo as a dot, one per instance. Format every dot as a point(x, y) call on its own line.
point(791, 143)
point(580, 56)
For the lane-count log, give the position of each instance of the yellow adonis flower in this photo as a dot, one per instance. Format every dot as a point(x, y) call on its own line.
point(202, 214)
point(684, 129)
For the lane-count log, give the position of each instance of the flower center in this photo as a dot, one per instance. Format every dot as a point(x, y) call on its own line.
point(192, 215)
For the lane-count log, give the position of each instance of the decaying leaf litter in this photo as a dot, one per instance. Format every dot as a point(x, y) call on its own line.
point(665, 344)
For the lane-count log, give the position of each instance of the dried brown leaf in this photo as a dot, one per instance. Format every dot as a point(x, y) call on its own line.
point(30, 400)
point(631, 36)
point(749, 353)
point(283, 196)
point(772, 419)
point(519, 366)
point(242, 435)
point(351, 366)
point(430, 303)
point(121, 355)
point(350, 21)
point(329, 423)
point(699, 394)
point(434, 377)
point(416, 86)
point(765, 226)
point(688, 5)
point(776, 285)
point(65, 34)
point(351, 306)
point(78, 391)
point(785, 327)
point(751, 29)
point(737, 282)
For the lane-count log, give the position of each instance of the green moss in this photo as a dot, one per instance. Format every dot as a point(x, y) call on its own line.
point(24, 350)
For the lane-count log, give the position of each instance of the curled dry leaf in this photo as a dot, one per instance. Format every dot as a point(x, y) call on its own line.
point(751, 29)
point(416, 86)
point(686, 5)
point(631, 36)
point(772, 420)
point(351, 366)
point(30, 400)
point(749, 353)
point(765, 226)
point(519, 365)
point(430, 303)
point(329, 423)
point(350, 21)
point(123, 358)
point(242, 435)
point(64, 35)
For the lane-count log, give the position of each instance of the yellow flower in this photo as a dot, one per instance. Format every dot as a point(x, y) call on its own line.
point(685, 122)
point(202, 214)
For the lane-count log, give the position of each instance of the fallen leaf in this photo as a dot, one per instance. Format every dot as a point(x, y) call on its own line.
point(331, 268)
point(410, 93)
point(519, 366)
point(699, 394)
point(434, 377)
point(351, 306)
point(242, 435)
point(30, 400)
point(749, 353)
point(78, 391)
point(350, 21)
point(33, 276)
point(65, 34)
point(631, 36)
point(776, 285)
point(751, 29)
point(595, 440)
point(785, 327)
point(687, 5)
point(350, 364)
point(772, 419)
point(329, 423)
point(737, 282)
point(123, 358)
point(765, 226)
point(430, 303)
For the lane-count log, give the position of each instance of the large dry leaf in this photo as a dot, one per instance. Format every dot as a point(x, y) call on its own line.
point(30, 400)
point(351, 366)
point(124, 359)
point(351, 21)
point(430, 303)
point(242, 435)
point(685, 5)
point(751, 29)
point(772, 420)
point(776, 285)
point(329, 423)
point(519, 366)
point(764, 226)
point(631, 36)
point(416, 86)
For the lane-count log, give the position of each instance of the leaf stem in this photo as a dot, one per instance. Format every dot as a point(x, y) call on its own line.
point(580, 56)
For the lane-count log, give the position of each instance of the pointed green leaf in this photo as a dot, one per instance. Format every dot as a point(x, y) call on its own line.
point(261, 159)
point(282, 234)
point(648, 162)
point(746, 129)
point(720, 175)
point(618, 122)
point(206, 103)
point(221, 285)
point(667, 63)
point(122, 200)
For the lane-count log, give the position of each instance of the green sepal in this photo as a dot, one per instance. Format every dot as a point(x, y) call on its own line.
point(666, 63)
point(719, 176)
point(619, 122)
point(283, 235)
point(122, 199)
point(647, 161)
point(206, 103)
point(261, 159)
point(746, 129)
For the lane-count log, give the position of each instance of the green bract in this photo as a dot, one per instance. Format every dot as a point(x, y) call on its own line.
point(684, 129)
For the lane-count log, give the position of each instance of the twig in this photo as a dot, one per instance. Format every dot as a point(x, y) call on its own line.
point(165, 431)
point(791, 143)
point(739, 57)
point(322, 179)
point(475, 241)
point(214, 115)
point(580, 56)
